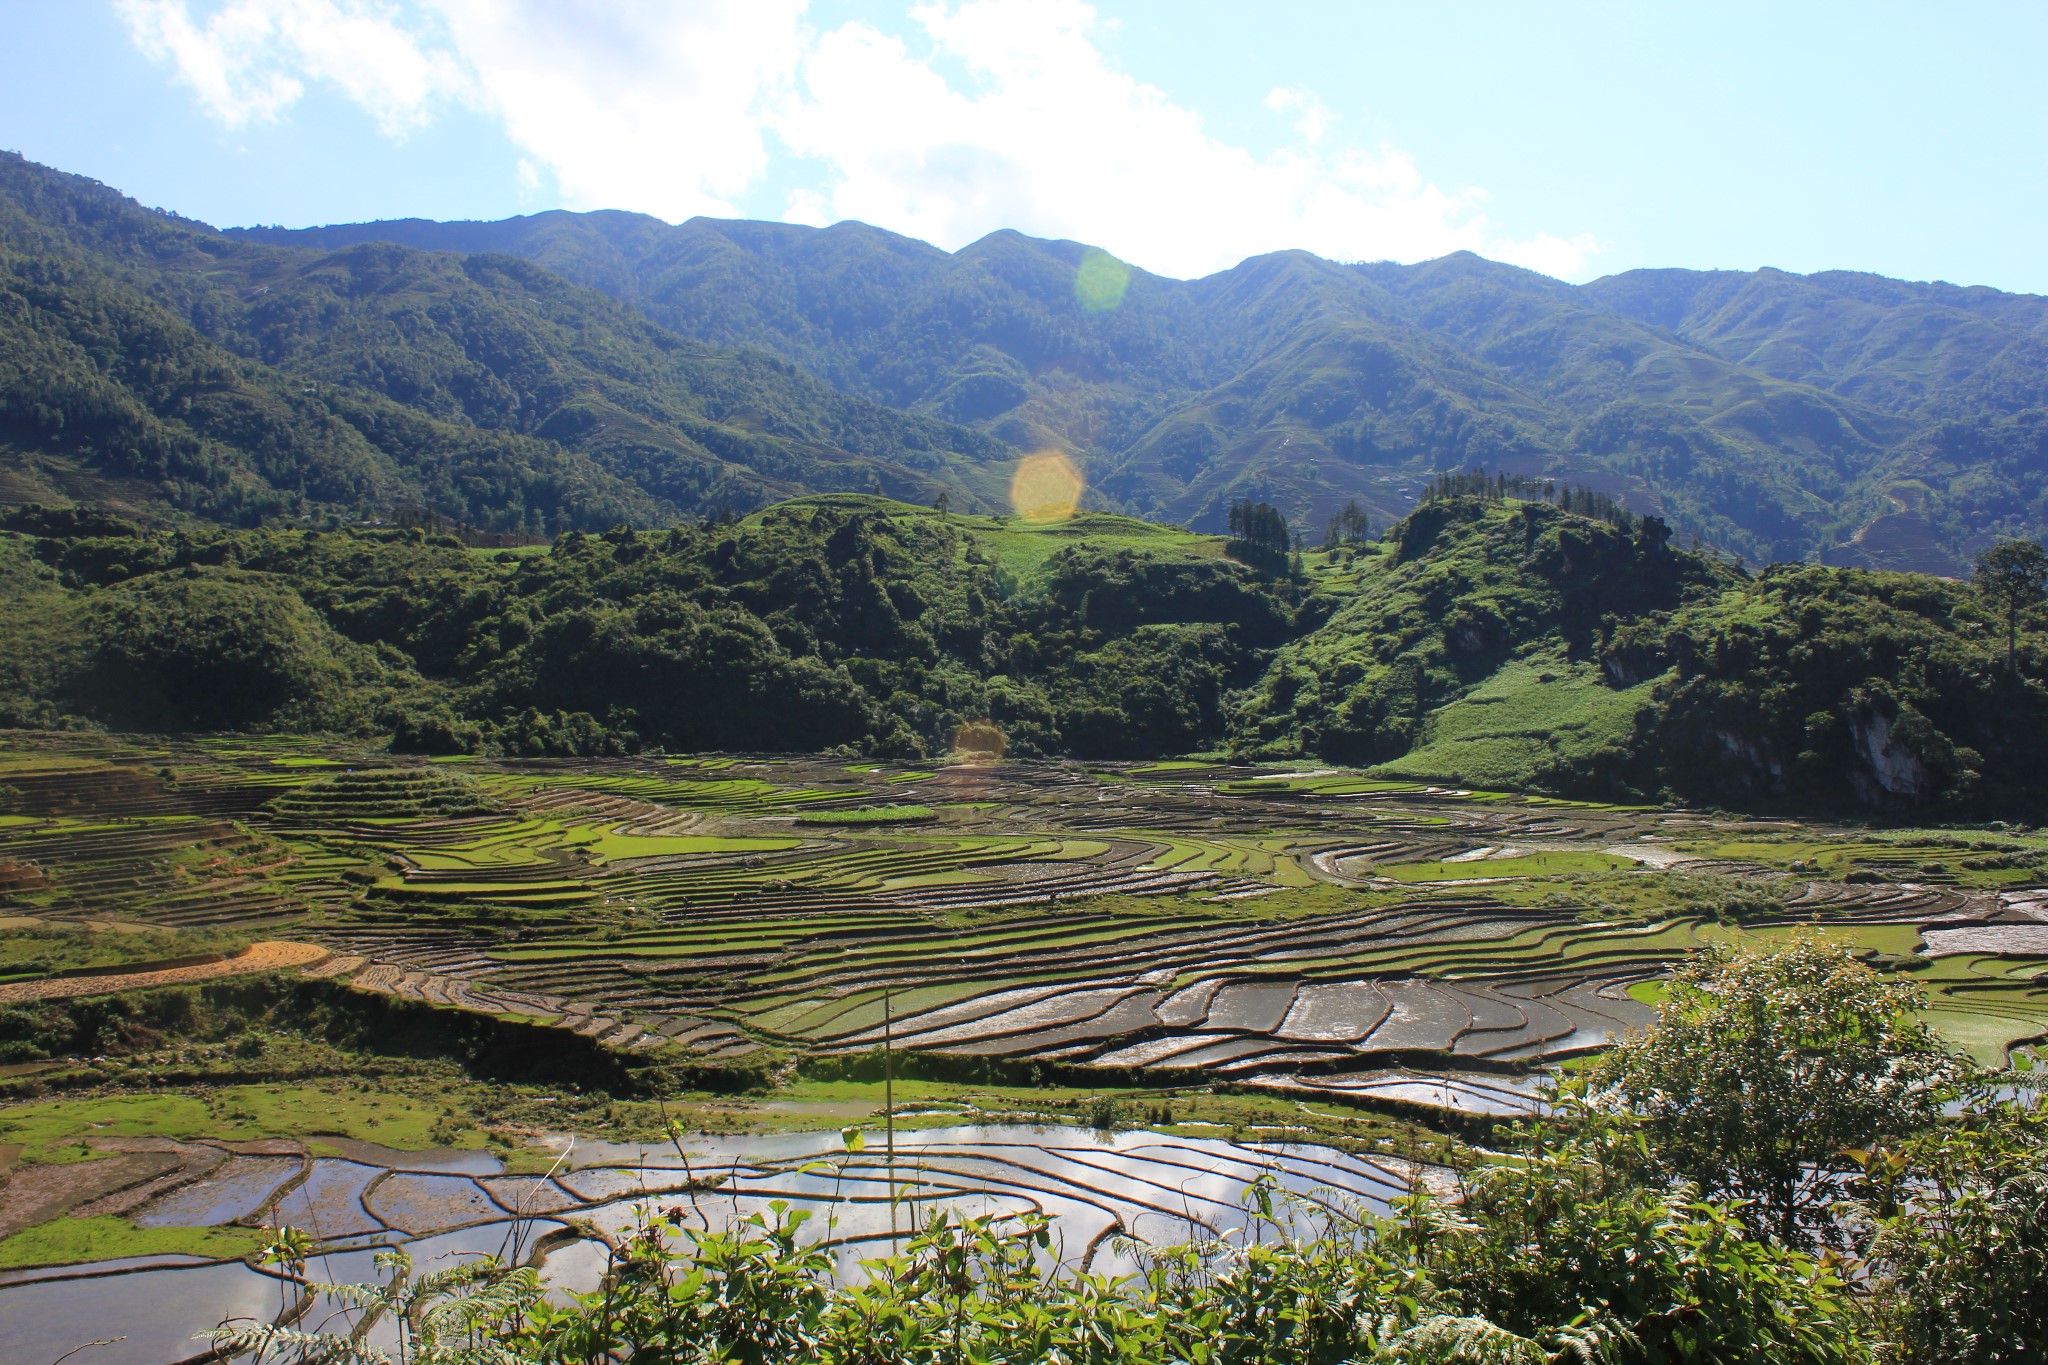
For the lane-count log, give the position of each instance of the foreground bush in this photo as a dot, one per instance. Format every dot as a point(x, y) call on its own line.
point(1767, 1066)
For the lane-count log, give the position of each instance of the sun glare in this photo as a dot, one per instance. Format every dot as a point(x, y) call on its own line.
point(978, 741)
point(1100, 281)
point(1046, 487)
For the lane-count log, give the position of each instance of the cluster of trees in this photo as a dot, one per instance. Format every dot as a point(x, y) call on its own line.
point(1500, 486)
point(819, 624)
point(1261, 537)
point(852, 621)
point(1915, 690)
point(1765, 1175)
point(1348, 526)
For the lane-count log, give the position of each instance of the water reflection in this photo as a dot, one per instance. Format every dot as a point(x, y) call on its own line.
point(1101, 1190)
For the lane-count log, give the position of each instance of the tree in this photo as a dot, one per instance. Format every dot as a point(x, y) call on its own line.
point(1957, 1246)
point(2013, 576)
point(1578, 1228)
point(1259, 537)
point(1765, 1066)
point(1347, 527)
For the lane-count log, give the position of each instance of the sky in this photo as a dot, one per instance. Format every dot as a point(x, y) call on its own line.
point(1577, 139)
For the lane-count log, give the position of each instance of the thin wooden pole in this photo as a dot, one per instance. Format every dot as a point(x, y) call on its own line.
point(889, 1103)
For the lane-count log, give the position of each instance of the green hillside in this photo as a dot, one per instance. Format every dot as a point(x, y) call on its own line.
point(1505, 643)
point(825, 621)
point(1869, 421)
point(577, 370)
point(1485, 642)
point(146, 360)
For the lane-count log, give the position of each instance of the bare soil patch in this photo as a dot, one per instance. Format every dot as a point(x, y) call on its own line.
point(36, 1193)
point(269, 956)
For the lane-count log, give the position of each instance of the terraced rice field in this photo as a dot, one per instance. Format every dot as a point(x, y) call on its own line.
point(1319, 937)
point(1295, 930)
point(448, 1205)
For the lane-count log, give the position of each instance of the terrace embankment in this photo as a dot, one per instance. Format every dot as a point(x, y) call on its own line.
point(283, 1026)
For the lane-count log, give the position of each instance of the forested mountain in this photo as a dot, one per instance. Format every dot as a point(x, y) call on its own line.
point(581, 369)
point(147, 359)
point(1486, 641)
point(1860, 419)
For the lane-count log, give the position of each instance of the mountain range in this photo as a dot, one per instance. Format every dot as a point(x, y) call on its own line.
point(574, 369)
point(146, 360)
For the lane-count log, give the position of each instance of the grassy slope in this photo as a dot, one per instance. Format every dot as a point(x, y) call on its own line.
point(1531, 716)
point(67, 1241)
point(1466, 647)
point(29, 951)
point(1021, 548)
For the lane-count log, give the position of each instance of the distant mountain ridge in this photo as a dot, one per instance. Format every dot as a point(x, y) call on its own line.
point(1846, 416)
point(575, 370)
point(145, 358)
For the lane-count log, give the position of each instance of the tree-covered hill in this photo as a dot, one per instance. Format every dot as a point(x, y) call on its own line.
point(152, 360)
point(1485, 641)
point(1866, 420)
point(1506, 643)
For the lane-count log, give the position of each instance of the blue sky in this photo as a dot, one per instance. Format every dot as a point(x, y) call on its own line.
point(1579, 139)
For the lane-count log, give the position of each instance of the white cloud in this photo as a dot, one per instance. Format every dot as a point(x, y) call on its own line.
point(250, 59)
point(652, 106)
point(1315, 119)
point(992, 114)
point(1564, 257)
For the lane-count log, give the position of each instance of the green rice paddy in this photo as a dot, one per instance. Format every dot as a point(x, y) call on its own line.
point(69, 1239)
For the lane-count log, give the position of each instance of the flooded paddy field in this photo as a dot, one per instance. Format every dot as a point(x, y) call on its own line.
point(1255, 950)
point(1105, 1192)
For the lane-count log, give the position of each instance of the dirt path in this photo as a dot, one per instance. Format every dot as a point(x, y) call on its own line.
point(258, 957)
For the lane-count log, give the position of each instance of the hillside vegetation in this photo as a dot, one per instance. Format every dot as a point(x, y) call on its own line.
point(827, 621)
point(1486, 641)
point(1508, 644)
point(575, 371)
point(1881, 423)
point(150, 361)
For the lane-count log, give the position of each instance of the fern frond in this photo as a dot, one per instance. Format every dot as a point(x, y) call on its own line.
point(1442, 1339)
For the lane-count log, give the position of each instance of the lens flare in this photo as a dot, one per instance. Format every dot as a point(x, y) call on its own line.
point(1046, 487)
point(978, 741)
point(1101, 280)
